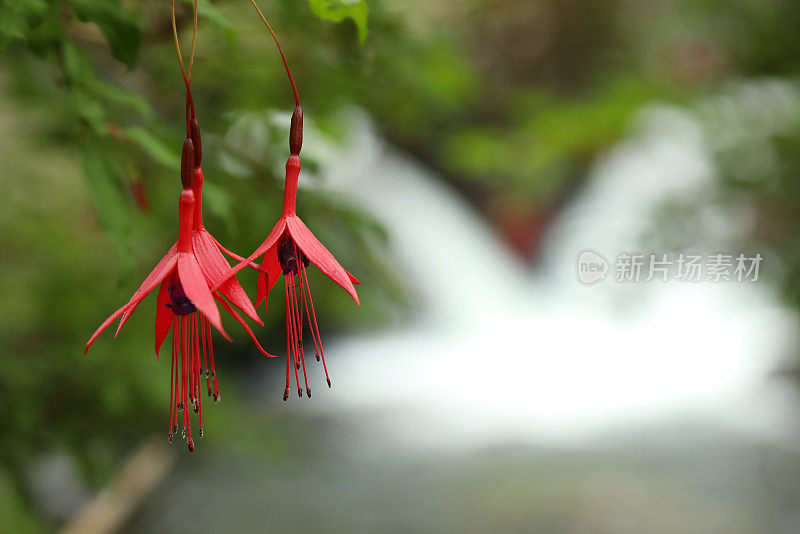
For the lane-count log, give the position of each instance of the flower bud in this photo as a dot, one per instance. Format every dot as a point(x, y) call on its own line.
point(198, 150)
point(296, 131)
point(187, 163)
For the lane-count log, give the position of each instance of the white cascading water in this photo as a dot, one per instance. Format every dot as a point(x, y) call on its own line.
point(497, 353)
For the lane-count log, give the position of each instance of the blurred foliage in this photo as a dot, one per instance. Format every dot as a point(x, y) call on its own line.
point(510, 100)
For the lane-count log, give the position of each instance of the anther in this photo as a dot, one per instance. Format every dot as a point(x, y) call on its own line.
point(286, 394)
point(201, 432)
point(308, 391)
point(329, 382)
point(190, 444)
point(183, 433)
point(170, 437)
point(300, 392)
point(216, 397)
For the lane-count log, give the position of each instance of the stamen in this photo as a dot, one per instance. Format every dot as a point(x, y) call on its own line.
point(192, 335)
point(211, 355)
point(293, 330)
point(299, 314)
point(185, 377)
point(298, 320)
point(171, 375)
point(314, 327)
point(174, 384)
point(288, 336)
point(196, 368)
point(205, 353)
point(197, 386)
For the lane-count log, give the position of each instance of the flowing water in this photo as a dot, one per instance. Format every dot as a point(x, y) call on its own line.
point(502, 353)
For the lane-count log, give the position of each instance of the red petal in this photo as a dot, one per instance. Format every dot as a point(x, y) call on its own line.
point(214, 266)
point(196, 288)
point(164, 316)
point(271, 271)
point(233, 255)
point(261, 291)
point(272, 238)
point(244, 325)
point(352, 278)
point(320, 256)
point(104, 326)
point(159, 272)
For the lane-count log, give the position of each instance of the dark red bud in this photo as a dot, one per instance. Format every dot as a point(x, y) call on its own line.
point(187, 163)
point(198, 149)
point(296, 132)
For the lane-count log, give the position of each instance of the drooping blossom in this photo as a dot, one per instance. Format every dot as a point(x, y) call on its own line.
point(187, 304)
point(288, 250)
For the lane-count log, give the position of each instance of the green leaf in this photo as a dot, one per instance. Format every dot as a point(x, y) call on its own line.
point(220, 202)
point(109, 202)
point(153, 147)
point(114, 94)
point(338, 10)
point(120, 27)
point(89, 111)
point(212, 14)
point(18, 20)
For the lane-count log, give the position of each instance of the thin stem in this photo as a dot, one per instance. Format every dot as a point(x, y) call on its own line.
point(186, 78)
point(194, 41)
point(280, 49)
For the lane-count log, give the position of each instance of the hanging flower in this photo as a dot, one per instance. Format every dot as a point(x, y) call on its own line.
point(288, 251)
point(186, 304)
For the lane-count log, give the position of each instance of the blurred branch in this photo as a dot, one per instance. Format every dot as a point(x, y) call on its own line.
point(140, 474)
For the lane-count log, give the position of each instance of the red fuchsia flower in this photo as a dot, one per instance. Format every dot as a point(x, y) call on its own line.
point(192, 276)
point(288, 250)
point(185, 304)
point(185, 301)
